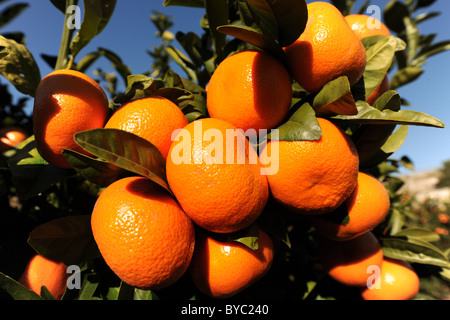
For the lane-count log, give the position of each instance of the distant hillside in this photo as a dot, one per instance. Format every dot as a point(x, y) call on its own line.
point(423, 185)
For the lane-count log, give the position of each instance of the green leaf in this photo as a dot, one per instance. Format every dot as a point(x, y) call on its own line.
point(217, 14)
point(405, 76)
point(286, 20)
point(426, 16)
point(252, 36)
point(248, 237)
point(88, 287)
point(184, 62)
point(15, 290)
point(380, 53)
point(395, 141)
point(370, 115)
point(67, 239)
point(127, 151)
point(413, 37)
point(425, 3)
point(139, 86)
point(11, 12)
point(302, 126)
point(19, 66)
point(394, 14)
point(31, 174)
point(117, 63)
point(140, 294)
point(96, 16)
point(390, 100)
point(414, 250)
point(96, 171)
point(335, 98)
point(185, 3)
point(431, 51)
point(418, 233)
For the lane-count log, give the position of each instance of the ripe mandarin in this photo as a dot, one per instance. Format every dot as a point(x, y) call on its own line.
point(40, 272)
point(223, 269)
point(366, 26)
point(11, 136)
point(251, 90)
point(326, 50)
point(153, 118)
point(216, 176)
point(66, 102)
point(313, 177)
point(349, 261)
point(368, 206)
point(142, 233)
point(397, 281)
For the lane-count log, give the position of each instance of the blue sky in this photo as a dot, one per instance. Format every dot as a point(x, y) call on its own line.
point(130, 33)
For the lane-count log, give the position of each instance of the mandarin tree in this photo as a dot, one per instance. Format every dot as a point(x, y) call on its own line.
point(264, 169)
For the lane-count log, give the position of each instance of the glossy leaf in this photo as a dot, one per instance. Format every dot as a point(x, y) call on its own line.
point(419, 233)
point(96, 171)
point(127, 151)
point(139, 86)
point(67, 239)
point(15, 290)
point(19, 67)
point(380, 53)
point(285, 20)
point(370, 115)
point(302, 126)
point(31, 174)
point(415, 251)
point(97, 14)
point(252, 36)
point(335, 98)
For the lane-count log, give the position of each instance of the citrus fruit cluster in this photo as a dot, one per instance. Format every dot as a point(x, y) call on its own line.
point(219, 184)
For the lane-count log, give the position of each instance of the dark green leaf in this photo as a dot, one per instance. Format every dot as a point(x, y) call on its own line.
point(389, 100)
point(345, 6)
point(370, 115)
point(335, 98)
point(93, 170)
point(11, 12)
point(88, 287)
point(19, 66)
point(140, 294)
point(46, 294)
point(248, 237)
point(60, 5)
point(127, 151)
point(425, 3)
point(217, 14)
point(67, 239)
point(380, 53)
point(117, 63)
point(302, 126)
point(184, 62)
point(96, 16)
point(87, 61)
point(31, 174)
point(393, 16)
point(405, 76)
point(126, 292)
point(286, 20)
point(252, 36)
point(185, 3)
point(139, 86)
point(415, 251)
point(15, 290)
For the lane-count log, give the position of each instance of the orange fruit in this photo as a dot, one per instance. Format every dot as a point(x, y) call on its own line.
point(349, 261)
point(142, 233)
point(41, 271)
point(251, 90)
point(153, 118)
point(223, 269)
point(382, 88)
point(367, 207)
point(66, 102)
point(313, 177)
point(366, 26)
point(216, 176)
point(397, 281)
point(326, 50)
point(11, 136)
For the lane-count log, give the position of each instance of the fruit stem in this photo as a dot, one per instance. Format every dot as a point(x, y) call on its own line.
point(63, 54)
